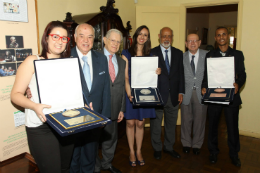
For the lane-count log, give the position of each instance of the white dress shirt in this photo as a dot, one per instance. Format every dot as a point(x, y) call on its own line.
point(164, 53)
point(89, 55)
point(196, 58)
point(114, 61)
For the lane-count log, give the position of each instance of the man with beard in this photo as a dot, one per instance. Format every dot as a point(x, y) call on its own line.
point(171, 87)
point(232, 110)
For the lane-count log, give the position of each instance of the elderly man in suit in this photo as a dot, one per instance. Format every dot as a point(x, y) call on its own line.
point(96, 89)
point(116, 66)
point(192, 110)
point(232, 110)
point(171, 87)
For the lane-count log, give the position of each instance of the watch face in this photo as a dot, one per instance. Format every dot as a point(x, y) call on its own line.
point(145, 91)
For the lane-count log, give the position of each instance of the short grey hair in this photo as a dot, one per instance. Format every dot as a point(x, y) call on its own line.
point(116, 31)
point(83, 24)
point(164, 28)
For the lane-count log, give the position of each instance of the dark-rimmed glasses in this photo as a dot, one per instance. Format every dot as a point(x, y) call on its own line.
point(56, 37)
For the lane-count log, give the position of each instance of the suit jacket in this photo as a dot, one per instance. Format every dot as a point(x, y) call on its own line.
point(100, 89)
point(170, 84)
point(117, 89)
point(190, 79)
point(240, 74)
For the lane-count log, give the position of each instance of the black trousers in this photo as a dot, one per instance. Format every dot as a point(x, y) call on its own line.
point(51, 152)
point(231, 116)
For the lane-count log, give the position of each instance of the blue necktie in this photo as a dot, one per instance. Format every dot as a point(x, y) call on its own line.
point(192, 64)
point(86, 71)
point(167, 61)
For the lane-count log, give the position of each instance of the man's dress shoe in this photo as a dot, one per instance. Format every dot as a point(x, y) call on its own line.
point(172, 153)
point(236, 161)
point(186, 149)
point(213, 158)
point(157, 155)
point(112, 169)
point(196, 151)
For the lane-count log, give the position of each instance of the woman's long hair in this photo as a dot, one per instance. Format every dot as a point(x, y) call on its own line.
point(147, 45)
point(45, 36)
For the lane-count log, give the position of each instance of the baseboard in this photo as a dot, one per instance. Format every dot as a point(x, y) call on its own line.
point(250, 134)
point(13, 159)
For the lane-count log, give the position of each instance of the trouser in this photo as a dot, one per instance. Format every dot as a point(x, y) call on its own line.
point(193, 113)
point(231, 115)
point(108, 138)
point(170, 119)
point(51, 152)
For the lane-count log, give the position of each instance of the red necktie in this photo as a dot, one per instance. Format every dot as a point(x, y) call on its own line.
point(111, 69)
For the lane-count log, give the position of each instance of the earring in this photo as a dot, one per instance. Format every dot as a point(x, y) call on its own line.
point(65, 50)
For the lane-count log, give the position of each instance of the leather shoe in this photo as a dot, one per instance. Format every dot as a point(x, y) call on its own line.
point(236, 161)
point(213, 158)
point(157, 155)
point(196, 151)
point(186, 149)
point(112, 169)
point(173, 153)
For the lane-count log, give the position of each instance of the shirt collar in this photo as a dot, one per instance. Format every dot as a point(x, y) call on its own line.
point(81, 54)
point(196, 54)
point(163, 49)
point(107, 53)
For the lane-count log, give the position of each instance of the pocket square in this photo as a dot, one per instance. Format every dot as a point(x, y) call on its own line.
point(101, 72)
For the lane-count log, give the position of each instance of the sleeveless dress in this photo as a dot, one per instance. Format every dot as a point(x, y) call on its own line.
point(131, 111)
point(31, 119)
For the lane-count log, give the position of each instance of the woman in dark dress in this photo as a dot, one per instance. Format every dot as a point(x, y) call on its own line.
point(135, 116)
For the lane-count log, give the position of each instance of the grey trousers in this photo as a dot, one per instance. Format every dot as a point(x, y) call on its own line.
point(108, 139)
point(194, 113)
point(170, 119)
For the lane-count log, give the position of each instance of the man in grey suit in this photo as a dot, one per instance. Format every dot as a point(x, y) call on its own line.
point(192, 111)
point(116, 66)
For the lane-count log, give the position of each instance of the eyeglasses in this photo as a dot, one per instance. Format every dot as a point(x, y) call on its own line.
point(192, 41)
point(114, 41)
point(56, 37)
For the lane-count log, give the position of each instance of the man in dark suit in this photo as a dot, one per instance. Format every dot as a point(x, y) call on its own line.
point(171, 87)
point(232, 110)
point(193, 113)
point(96, 89)
point(116, 66)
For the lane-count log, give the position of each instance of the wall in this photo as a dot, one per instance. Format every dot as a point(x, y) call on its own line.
point(248, 11)
point(220, 19)
point(49, 10)
point(197, 21)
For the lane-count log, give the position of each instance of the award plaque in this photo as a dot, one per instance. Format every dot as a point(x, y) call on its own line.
point(144, 81)
point(61, 88)
point(221, 76)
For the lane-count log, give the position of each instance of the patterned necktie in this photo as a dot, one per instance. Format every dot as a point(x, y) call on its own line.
point(192, 64)
point(86, 71)
point(111, 69)
point(167, 61)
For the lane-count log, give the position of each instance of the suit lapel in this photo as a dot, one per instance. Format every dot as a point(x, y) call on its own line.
point(95, 65)
point(200, 63)
point(187, 61)
point(119, 67)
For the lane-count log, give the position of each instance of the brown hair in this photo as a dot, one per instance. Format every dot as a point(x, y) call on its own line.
point(147, 44)
point(47, 31)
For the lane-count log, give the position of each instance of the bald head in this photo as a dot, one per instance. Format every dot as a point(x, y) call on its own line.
point(166, 37)
point(84, 37)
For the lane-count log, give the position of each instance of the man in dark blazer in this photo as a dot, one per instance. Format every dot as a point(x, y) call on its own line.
point(232, 110)
point(116, 68)
point(193, 112)
point(96, 89)
point(171, 87)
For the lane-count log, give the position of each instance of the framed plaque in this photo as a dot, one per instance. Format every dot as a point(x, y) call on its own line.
point(144, 81)
point(61, 88)
point(221, 76)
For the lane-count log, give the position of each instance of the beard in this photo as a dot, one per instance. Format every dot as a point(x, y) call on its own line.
point(166, 44)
